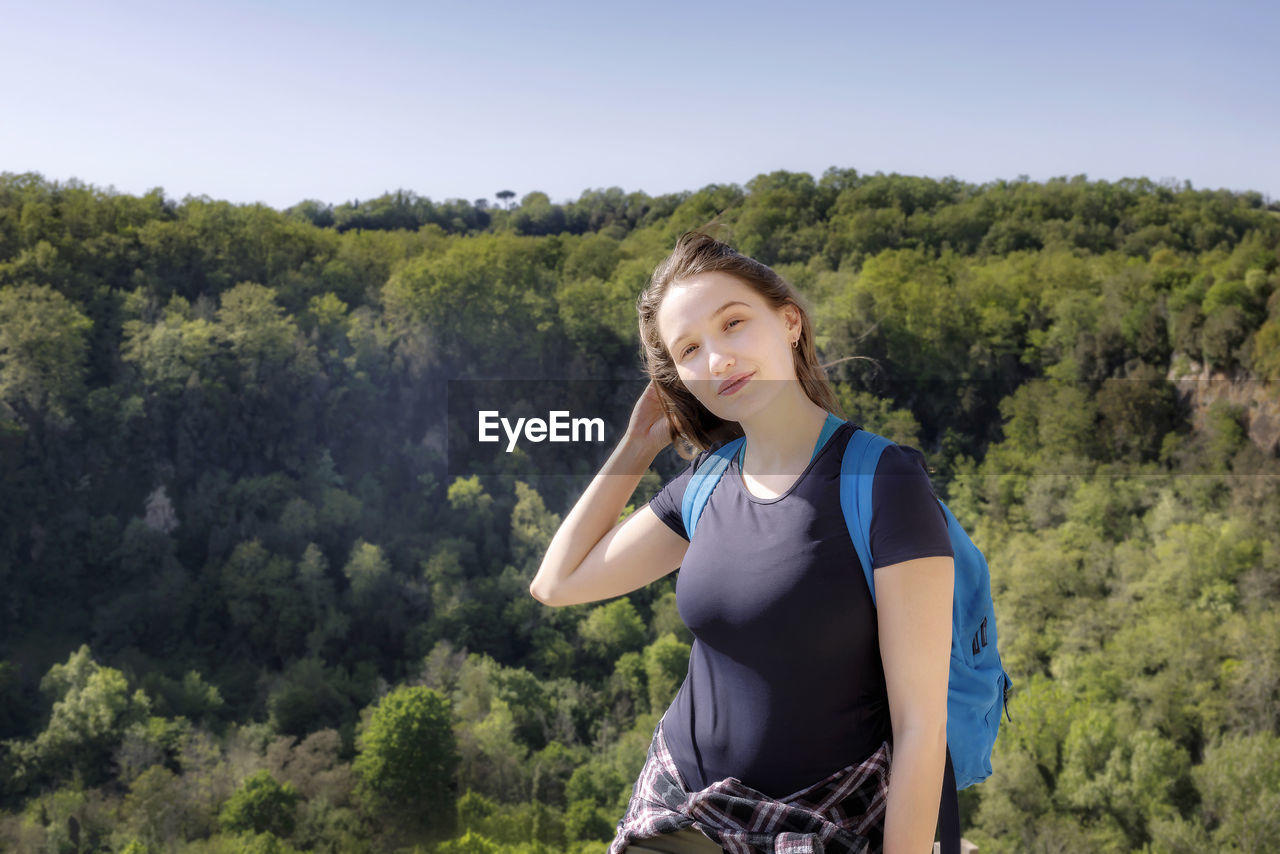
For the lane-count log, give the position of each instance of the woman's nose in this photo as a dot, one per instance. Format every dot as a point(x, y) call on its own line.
point(720, 360)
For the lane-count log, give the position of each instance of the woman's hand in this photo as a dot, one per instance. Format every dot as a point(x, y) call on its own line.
point(648, 425)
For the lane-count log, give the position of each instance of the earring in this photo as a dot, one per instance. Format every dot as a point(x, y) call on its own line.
point(795, 344)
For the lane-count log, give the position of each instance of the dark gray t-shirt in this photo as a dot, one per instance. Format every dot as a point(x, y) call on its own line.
point(785, 684)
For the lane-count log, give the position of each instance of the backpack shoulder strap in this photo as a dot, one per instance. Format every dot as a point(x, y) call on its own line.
point(857, 474)
point(703, 481)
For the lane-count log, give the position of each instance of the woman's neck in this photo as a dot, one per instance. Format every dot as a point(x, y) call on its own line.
point(781, 440)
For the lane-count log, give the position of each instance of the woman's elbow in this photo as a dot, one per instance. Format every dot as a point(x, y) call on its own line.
point(546, 595)
point(541, 595)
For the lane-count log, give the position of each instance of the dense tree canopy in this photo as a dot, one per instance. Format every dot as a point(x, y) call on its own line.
point(251, 605)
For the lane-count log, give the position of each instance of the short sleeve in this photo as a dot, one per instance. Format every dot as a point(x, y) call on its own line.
point(906, 520)
point(668, 504)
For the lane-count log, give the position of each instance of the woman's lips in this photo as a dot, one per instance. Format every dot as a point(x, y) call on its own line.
point(736, 384)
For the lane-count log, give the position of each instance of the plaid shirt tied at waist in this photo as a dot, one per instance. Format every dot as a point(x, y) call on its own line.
point(843, 814)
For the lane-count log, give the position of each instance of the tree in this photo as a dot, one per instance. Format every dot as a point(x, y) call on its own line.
point(158, 811)
point(778, 222)
point(320, 609)
point(378, 609)
point(1239, 783)
point(629, 683)
point(314, 767)
point(1137, 411)
point(258, 332)
point(43, 341)
point(666, 617)
point(585, 820)
point(306, 699)
point(537, 214)
point(170, 350)
point(598, 315)
point(472, 520)
point(262, 601)
point(532, 527)
point(1265, 349)
point(271, 370)
point(492, 759)
point(368, 572)
point(485, 304)
point(666, 663)
point(612, 629)
point(407, 757)
point(92, 707)
point(261, 805)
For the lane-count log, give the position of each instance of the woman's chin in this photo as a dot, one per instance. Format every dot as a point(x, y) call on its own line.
point(734, 408)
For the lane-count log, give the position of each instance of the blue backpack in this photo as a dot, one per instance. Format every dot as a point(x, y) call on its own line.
point(978, 687)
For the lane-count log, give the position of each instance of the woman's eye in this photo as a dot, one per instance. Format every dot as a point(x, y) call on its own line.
point(692, 347)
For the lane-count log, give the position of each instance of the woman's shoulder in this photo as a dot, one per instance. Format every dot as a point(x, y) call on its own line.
point(902, 459)
point(895, 455)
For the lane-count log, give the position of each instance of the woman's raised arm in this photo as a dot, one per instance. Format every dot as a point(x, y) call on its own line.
point(593, 556)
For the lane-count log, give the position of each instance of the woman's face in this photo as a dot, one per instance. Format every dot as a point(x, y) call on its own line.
point(719, 330)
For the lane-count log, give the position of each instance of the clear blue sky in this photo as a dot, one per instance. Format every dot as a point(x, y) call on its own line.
point(283, 101)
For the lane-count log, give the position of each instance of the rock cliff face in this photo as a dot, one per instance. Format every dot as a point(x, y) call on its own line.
point(1199, 387)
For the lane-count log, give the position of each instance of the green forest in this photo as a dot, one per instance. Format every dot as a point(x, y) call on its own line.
point(246, 609)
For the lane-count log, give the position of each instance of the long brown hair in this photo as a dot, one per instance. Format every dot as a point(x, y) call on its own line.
point(693, 427)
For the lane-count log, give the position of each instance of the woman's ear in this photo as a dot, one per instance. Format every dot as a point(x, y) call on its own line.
point(791, 320)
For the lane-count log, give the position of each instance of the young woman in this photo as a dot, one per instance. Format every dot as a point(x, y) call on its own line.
point(803, 696)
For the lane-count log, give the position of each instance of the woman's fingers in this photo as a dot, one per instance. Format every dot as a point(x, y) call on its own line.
point(648, 419)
